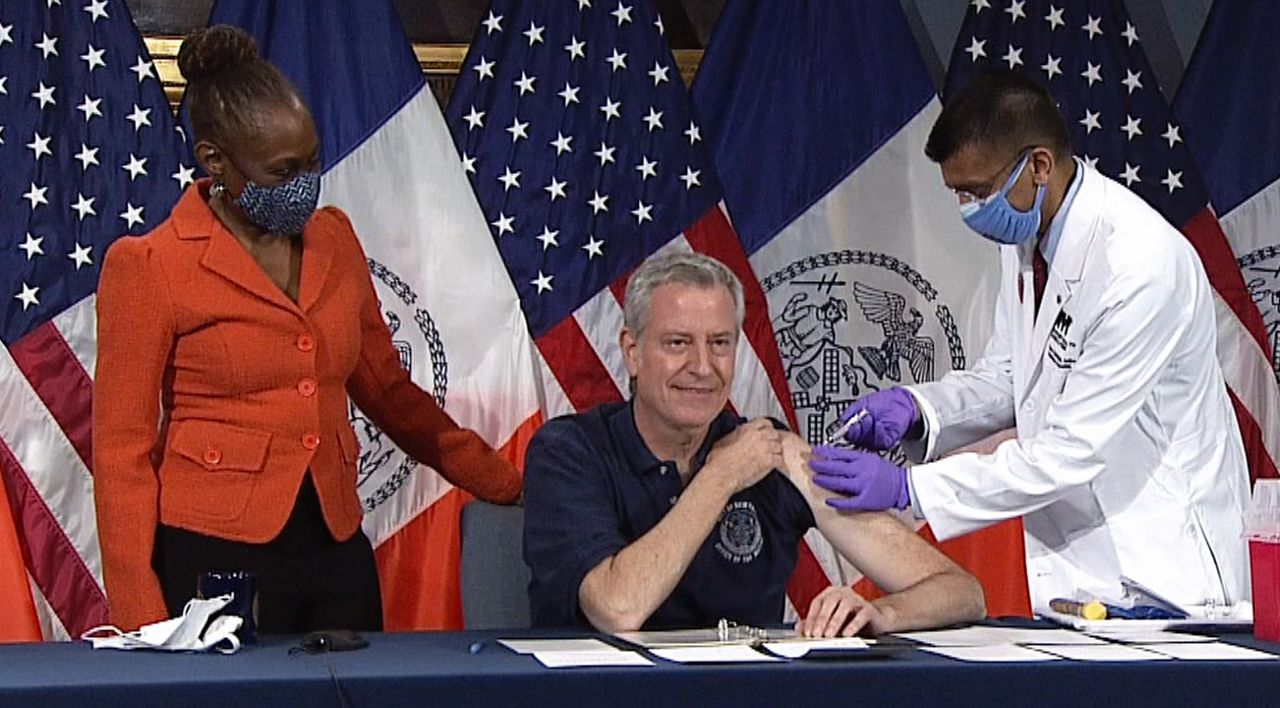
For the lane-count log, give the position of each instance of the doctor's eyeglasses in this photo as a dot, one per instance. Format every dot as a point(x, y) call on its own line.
point(992, 185)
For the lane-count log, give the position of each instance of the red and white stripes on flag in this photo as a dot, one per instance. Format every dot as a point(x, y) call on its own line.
point(90, 153)
point(1243, 349)
point(46, 458)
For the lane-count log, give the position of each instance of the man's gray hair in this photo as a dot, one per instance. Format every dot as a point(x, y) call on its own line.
point(677, 267)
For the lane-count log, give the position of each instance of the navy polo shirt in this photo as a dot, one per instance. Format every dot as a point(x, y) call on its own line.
point(592, 487)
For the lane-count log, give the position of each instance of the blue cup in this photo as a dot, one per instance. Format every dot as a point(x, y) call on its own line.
point(239, 585)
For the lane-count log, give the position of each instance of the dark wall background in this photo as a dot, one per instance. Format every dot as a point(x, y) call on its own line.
point(1169, 28)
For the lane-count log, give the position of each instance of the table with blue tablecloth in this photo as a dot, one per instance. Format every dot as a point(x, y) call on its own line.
point(471, 669)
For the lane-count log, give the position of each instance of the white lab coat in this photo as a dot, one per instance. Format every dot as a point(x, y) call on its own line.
point(1128, 460)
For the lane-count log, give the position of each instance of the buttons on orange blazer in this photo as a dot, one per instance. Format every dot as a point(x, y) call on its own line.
point(307, 387)
point(310, 441)
point(212, 456)
point(305, 342)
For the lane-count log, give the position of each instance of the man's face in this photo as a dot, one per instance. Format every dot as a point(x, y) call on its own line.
point(683, 364)
point(980, 172)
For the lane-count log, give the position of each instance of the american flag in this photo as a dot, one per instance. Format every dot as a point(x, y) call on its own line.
point(575, 129)
point(91, 152)
point(1090, 57)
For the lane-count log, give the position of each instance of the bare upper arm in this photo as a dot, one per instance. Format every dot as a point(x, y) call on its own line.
point(880, 545)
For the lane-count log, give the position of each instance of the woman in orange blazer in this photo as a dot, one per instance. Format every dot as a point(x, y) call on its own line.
point(230, 338)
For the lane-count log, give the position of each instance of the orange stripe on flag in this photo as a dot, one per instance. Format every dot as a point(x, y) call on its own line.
point(995, 555)
point(18, 621)
point(419, 564)
point(418, 567)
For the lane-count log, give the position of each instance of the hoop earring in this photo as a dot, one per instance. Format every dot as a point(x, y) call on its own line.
point(218, 189)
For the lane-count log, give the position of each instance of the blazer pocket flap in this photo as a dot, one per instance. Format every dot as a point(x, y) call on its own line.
point(219, 446)
point(349, 444)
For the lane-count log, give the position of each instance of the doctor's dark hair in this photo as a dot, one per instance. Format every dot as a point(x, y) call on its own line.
point(685, 268)
point(999, 110)
point(229, 84)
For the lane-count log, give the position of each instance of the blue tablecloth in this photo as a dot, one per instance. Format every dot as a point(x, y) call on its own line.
point(437, 669)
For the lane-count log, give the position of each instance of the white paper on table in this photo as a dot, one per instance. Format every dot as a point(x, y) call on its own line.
point(1100, 652)
point(570, 659)
point(980, 636)
point(721, 654)
point(794, 649)
point(992, 652)
point(1154, 636)
point(1212, 651)
point(530, 646)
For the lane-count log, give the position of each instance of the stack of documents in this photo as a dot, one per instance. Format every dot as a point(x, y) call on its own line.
point(1015, 644)
point(685, 647)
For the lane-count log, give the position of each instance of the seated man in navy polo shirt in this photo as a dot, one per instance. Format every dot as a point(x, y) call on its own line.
point(669, 512)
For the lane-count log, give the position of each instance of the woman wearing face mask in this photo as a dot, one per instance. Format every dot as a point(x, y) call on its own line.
point(230, 339)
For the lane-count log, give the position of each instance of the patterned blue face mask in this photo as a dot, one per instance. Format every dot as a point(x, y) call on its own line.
point(284, 209)
point(998, 220)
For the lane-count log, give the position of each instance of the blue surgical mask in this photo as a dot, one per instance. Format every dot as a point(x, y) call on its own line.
point(998, 220)
point(283, 209)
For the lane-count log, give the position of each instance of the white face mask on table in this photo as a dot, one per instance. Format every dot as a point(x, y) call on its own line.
point(193, 631)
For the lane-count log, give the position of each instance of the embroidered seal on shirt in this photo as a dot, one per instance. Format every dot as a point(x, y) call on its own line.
point(383, 468)
point(740, 536)
point(851, 322)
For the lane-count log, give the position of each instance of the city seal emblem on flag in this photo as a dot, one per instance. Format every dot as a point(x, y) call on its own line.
point(383, 467)
point(851, 322)
point(1261, 271)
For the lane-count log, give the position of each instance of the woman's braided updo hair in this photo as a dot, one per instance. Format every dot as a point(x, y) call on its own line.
point(229, 84)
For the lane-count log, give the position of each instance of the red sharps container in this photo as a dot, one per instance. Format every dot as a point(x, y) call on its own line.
point(1262, 529)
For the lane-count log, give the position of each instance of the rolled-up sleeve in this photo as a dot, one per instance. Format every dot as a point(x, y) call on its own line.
point(572, 521)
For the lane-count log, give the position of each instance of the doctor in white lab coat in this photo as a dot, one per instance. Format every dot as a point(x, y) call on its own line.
point(1128, 461)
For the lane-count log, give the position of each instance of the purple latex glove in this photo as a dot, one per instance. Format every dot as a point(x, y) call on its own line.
point(890, 414)
point(867, 481)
